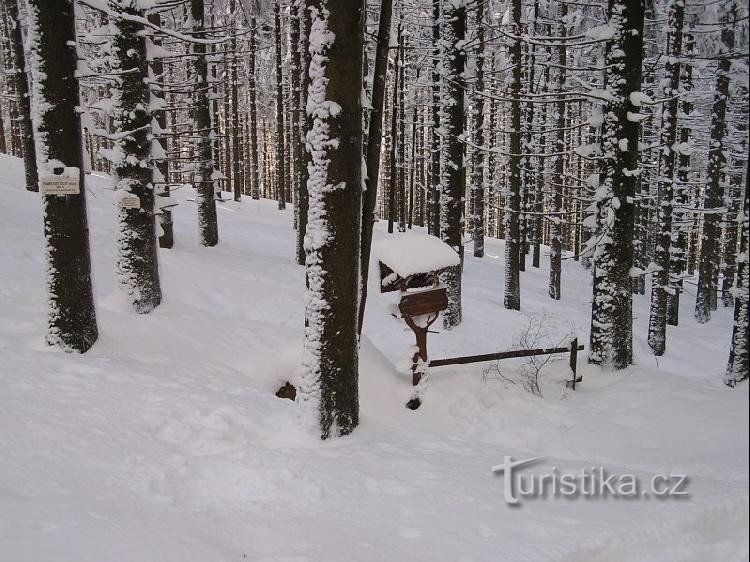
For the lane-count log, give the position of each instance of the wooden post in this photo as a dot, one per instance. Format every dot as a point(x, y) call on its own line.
point(574, 360)
point(421, 353)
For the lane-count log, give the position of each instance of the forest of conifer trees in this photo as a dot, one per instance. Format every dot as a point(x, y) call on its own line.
point(571, 153)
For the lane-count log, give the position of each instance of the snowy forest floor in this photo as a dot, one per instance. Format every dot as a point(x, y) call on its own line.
point(165, 442)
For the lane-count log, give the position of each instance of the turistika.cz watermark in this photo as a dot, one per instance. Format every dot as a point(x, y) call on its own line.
point(589, 482)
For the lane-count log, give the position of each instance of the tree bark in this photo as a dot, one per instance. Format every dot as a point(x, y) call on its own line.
point(253, 111)
point(739, 354)
point(478, 186)
point(21, 82)
point(137, 262)
point(161, 164)
point(660, 281)
point(374, 140)
point(558, 177)
point(512, 299)
point(681, 220)
point(280, 160)
point(708, 268)
point(329, 383)
point(437, 105)
point(204, 170)
point(611, 313)
point(454, 171)
point(71, 313)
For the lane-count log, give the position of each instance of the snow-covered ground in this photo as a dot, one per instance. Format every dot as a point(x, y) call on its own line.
point(165, 441)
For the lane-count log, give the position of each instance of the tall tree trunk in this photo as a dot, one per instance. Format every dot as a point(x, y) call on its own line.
point(328, 388)
point(71, 314)
point(478, 186)
point(159, 143)
point(204, 169)
point(392, 151)
point(681, 220)
point(234, 86)
point(660, 283)
point(611, 309)
point(3, 143)
point(512, 299)
point(739, 354)
point(280, 163)
point(21, 82)
point(253, 110)
point(437, 104)
point(454, 171)
point(401, 134)
point(708, 268)
point(137, 263)
point(374, 139)
point(491, 156)
point(558, 178)
point(297, 46)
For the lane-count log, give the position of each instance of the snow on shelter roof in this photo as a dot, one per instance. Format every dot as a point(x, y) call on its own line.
point(411, 253)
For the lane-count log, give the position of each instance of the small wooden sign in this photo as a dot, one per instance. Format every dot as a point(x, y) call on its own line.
point(424, 302)
point(130, 202)
point(67, 182)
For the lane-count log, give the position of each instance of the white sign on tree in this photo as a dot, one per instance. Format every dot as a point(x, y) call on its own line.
point(66, 182)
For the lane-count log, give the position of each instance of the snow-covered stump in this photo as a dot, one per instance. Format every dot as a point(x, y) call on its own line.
point(329, 384)
point(137, 262)
point(71, 313)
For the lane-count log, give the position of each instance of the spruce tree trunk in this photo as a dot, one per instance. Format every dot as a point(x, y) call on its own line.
point(305, 124)
point(253, 111)
point(708, 267)
point(374, 140)
point(21, 81)
point(437, 105)
point(137, 264)
point(681, 220)
point(478, 187)
point(234, 86)
point(71, 313)
point(3, 143)
point(299, 164)
point(159, 115)
point(660, 281)
point(611, 309)
point(329, 385)
point(204, 166)
point(512, 299)
point(392, 147)
point(401, 133)
point(558, 177)
point(453, 173)
point(739, 353)
point(492, 156)
point(8, 61)
point(540, 186)
point(280, 160)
